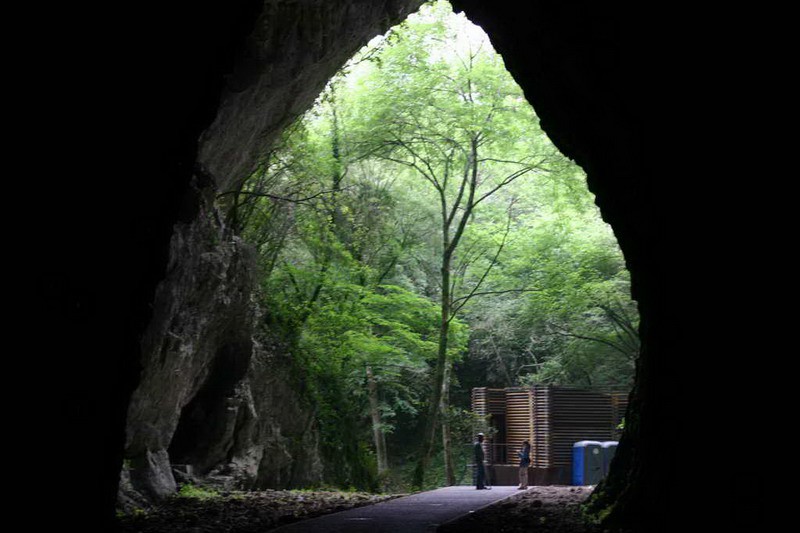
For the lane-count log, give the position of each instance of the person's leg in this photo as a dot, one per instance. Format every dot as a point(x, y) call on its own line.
point(481, 478)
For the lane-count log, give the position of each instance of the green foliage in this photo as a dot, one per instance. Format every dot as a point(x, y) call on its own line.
point(347, 212)
point(576, 323)
point(388, 328)
point(188, 490)
point(583, 322)
point(400, 480)
point(136, 513)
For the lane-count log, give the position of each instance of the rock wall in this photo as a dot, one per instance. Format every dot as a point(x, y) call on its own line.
point(199, 338)
point(285, 440)
point(209, 395)
point(259, 433)
point(112, 116)
point(295, 49)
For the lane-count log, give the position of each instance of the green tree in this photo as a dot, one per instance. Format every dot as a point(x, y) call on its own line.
point(579, 326)
point(418, 186)
point(453, 117)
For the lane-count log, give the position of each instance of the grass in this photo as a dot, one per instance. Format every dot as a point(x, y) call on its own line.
point(199, 493)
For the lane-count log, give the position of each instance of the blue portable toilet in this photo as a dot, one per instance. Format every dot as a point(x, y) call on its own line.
point(587, 462)
point(609, 449)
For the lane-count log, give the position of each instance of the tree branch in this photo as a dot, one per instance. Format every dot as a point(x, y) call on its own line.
point(472, 164)
point(491, 264)
point(620, 319)
point(459, 197)
point(278, 198)
point(484, 293)
point(593, 339)
point(508, 179)
point(432, 175)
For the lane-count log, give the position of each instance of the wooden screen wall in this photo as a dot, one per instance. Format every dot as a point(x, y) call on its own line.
point(486, 401)
point(540, 445)
point(551, 418)
point(519, 427)
point(573, 415)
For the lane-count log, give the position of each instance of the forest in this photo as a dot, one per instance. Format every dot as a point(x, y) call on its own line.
point(418, 235)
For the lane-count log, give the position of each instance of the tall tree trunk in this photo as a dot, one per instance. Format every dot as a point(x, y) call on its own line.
point(429, 437)
point(449, 245)
point(449, 470)
point(377, 431)
point(340, 229)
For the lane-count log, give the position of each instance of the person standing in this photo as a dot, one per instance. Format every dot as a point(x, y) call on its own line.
point(480, 473)
point(524, 455)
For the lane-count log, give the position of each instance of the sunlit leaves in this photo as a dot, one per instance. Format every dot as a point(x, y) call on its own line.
point(347, 214)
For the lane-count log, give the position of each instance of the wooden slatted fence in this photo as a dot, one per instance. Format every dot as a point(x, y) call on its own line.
point(551, 418)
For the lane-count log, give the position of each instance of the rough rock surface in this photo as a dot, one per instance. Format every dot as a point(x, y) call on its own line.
point(203, 397)
point(211, 396)
point(200, 337)
point(286, 436)
point(261, 435)
point(294, 50)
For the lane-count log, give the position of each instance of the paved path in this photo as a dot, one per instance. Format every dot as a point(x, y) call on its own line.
point(409, 514)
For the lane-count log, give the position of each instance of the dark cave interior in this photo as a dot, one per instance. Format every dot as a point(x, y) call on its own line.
point(137, 99)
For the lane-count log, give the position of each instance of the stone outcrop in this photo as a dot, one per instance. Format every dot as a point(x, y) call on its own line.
point(209, 395)
point(260, 433)
point(199, 339)
point(279, 448)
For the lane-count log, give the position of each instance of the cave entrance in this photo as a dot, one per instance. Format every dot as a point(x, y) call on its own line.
point(599, 64)
point(417, 226)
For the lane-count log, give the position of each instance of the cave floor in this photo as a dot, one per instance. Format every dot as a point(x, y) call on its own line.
point(545, 509)
point(423, 511)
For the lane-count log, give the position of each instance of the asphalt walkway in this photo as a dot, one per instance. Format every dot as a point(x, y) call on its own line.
point(409, 514)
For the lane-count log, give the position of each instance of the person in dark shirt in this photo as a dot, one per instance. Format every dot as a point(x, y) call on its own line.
point(480, 478)
point(524, 455)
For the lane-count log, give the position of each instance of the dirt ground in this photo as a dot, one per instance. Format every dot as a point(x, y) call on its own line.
point(554, 509)
point(243, 512)
point(551, 509)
